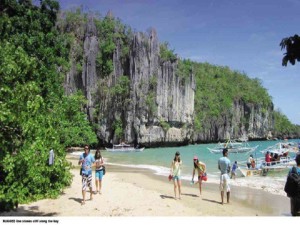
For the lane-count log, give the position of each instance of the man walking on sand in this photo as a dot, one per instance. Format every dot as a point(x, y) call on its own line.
point(86, 161)
point(224, 167)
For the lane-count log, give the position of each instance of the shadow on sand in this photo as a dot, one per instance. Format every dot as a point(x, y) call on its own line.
point(76, 200)
point(166, 196)
point(191, 195)
point(27, 212)
point(209, 200)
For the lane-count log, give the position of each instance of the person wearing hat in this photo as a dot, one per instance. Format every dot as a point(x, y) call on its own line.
point(201, 168)
point(175, 172)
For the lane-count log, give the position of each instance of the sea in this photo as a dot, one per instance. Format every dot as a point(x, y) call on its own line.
point(158, 160)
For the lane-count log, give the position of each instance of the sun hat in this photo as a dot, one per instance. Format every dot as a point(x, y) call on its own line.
point(195, 157)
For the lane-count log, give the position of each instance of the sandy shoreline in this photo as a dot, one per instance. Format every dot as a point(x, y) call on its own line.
point(137, 192)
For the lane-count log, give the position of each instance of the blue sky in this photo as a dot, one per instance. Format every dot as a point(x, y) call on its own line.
point(243, 35)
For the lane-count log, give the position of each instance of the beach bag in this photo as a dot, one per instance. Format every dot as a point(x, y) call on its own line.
point(292, 185)
point(170, 177)
point(204, 177)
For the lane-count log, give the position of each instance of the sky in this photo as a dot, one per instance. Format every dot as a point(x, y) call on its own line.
point(243, 35)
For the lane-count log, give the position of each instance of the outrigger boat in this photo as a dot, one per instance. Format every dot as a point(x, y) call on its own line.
point(233, 147)
point(262, 167)
point(124, 148)
point(281, 148)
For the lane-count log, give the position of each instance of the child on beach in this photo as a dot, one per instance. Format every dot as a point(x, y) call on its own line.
point(201, 168)
point(86, 161)
point(175, 172)
point(233, 170)
point(99, 171)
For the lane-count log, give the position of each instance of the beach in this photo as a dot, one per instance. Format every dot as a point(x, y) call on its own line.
point(132, 192)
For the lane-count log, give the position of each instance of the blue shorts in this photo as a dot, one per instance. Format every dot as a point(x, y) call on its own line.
point(176, 178)
point(99, 174)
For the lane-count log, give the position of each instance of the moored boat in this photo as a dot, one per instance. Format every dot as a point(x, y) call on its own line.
point(281, 148)
point(124, 148)
point(262, 168)
point(233, 147)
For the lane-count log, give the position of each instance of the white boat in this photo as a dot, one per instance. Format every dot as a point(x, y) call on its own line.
point(281, 148)
point(124, 148)
point(262, 167)
point(233, 147)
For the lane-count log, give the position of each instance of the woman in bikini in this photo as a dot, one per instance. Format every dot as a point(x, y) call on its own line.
point(201, 168)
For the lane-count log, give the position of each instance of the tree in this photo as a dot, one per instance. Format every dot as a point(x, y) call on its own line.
point(292, 46)
point(35, 115)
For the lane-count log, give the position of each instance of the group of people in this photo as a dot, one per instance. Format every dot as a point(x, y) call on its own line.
point(272, 158)
point(87, 161)
point(223, 165)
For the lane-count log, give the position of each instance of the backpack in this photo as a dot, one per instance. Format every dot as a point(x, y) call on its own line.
point(292, 185)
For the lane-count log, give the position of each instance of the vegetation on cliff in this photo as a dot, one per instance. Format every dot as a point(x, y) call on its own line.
point(217, 89)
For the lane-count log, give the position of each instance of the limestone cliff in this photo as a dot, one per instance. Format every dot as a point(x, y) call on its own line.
point(143, 100)
point(158, 107)
point(242, 120)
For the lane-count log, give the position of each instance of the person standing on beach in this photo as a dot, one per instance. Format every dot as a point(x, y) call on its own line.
point(86, 160)
point(268, 158)
point(295, 200)
point(175, 172)
point(224, 167)
point(99, 171)
point(201, 168)
point(249, 161)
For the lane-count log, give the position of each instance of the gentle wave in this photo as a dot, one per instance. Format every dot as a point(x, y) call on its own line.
point(268, 184)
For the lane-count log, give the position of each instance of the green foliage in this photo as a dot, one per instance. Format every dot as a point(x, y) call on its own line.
point(151, 103)
point(184, 69)
point(120, 98)
point(165, 125)
point(151, 96)
point(292, 46)
point(216, 90)
point(118, 128)
point(283, 127)
point(35, 116)
point(112, 35)
point(166, 54)
point(122, 87)
point(74, 129)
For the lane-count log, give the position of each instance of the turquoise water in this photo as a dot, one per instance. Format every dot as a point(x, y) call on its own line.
point(159, 159)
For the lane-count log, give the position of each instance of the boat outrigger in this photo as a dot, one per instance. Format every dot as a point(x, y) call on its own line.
point(233, 147)
point(124, 148)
